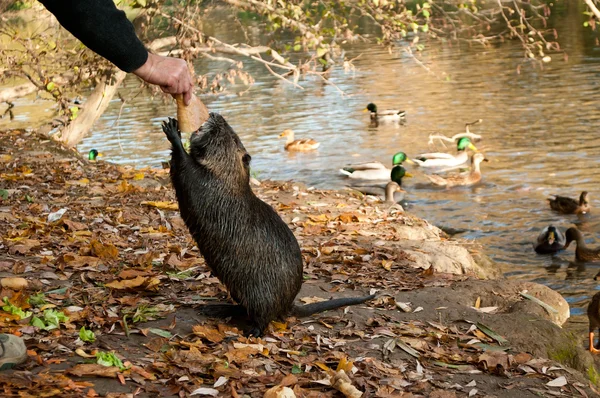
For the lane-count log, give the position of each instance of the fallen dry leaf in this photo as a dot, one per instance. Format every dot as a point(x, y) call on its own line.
point(279, 392)
point(135, 283)
point(162, 205)
point(14, 283)
point(93, 369)
point(341, 382)
point(208, 333)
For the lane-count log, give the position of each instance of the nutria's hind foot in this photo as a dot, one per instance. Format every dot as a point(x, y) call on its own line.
point(255, 332)
point(223, 311)
point(171, 130)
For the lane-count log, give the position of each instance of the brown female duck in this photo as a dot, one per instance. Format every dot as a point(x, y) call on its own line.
point(303, 145)
point(593, 313)
point(582, 253)
point(462, 179)
point(565, 205)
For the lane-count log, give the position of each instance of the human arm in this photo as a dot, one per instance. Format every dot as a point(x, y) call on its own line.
point(105, 29)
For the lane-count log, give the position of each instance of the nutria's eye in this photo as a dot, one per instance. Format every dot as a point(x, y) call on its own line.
point(246, 159)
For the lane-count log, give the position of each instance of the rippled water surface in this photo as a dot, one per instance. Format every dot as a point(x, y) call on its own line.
point(540, 131)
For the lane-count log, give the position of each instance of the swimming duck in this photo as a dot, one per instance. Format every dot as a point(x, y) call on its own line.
point(470, 178)
point(93, 155)
point(375, 170)
point(582, 252)
point(566, 205)
point(593, 313)
point(387, 115)
point(307, 144)
point(440, 159)
point(549, 241)
point(391, 192)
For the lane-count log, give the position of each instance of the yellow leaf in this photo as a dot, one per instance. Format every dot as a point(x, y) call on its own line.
point(104, 251)
point(162, 205)
point(478, 302)
point(207, 333)
point(5, 158)
point(345, 365)
point(387, 264)
point(138, 176)
point(323, 366)
point(279, 326)
point(128, 283)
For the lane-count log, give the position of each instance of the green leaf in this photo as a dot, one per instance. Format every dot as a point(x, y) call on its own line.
point(53, 318)
point(62, 290)
point(14, 310)
point(161, 333)
point(548, 307)
point(3, 194)
point(426, 14)
point(38, 323)
point(86, 335)
point(29, 198)
point(109, 359)
point(297, 47)
point(321, 51)
point(74, 112)
point(50, 86)
point(37, 299)
point(296, 369)
point(490, 333)
point(586, 24)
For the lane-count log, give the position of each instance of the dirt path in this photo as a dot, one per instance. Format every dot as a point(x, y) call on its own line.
point(119, 262)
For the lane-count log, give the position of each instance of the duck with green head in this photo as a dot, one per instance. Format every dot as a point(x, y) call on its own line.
point(392, 191)
point(93, 154)
point(386, 115)
point(440, 159)
point(374, 170)
point(549, 241)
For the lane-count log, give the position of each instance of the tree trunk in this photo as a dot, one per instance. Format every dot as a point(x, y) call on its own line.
point(95, 105)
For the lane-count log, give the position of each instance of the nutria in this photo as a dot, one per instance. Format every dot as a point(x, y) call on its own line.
point(243, 240)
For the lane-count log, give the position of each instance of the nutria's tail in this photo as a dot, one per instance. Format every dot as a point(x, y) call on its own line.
point(309, 309)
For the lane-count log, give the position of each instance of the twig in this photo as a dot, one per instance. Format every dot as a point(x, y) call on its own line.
point(593, 7)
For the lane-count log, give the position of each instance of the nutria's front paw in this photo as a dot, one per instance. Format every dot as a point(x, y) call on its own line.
point(171, 129)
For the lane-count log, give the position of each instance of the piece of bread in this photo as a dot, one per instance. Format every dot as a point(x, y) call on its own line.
point(190, 117)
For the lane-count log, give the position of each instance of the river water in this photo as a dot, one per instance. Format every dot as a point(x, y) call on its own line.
point(539, 131)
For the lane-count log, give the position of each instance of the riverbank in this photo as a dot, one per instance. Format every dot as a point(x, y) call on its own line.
point(106, 247)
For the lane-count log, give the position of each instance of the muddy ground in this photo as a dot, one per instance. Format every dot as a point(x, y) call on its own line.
point(104, 247)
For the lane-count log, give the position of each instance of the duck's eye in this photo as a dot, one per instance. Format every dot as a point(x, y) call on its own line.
point(246, 159)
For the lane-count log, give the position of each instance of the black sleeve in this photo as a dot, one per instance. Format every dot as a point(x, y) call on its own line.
point(103, 28)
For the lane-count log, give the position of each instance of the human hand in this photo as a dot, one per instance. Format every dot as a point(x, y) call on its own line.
point(171, 74)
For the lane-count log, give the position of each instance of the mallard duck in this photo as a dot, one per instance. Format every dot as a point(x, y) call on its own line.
point(470, 178)
point(566, 205)
point(391, 192)
point(440, 159)
point(582, 252)
point(593, 313)
point(549, 241)
point(387, 115)
point(375, 170)
point(93, 155)
point(307, 144)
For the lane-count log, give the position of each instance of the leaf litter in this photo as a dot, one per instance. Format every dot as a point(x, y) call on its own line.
point(100, 277)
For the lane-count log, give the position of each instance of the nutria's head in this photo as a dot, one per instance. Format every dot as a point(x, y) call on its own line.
point(217, 147)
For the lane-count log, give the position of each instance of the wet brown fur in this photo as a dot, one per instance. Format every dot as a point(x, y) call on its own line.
point(243, 240)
